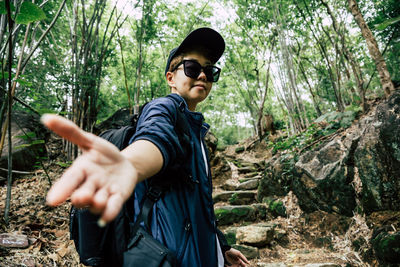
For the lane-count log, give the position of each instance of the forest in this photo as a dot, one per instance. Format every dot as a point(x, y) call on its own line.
point(287, 63)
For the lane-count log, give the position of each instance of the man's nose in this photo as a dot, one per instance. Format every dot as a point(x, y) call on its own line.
point(202, 76)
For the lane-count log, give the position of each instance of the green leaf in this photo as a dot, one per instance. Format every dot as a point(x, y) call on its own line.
point(27, 136)
point(64, 164)
point(22, 146)
point(5, 75)
point(36, 142)
point(3, 9)
point(387, 23)
point(23, 82)
point(29, 12)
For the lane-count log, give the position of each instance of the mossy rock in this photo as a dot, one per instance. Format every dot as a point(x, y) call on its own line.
point(226, 215)
point(276, 207)
point(230, 235)
point(249, 251)
point(387, 247)
point(239, 149)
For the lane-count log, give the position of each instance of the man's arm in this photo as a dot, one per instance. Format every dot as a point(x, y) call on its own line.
point(146, 157)
point(102, 178)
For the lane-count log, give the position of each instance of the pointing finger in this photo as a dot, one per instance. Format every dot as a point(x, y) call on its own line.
point(67, 129)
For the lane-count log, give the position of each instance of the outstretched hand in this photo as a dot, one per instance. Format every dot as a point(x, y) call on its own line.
point(101, 179)
point(236, 258)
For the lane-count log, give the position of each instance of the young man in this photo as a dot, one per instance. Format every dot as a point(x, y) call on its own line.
point(103, 178)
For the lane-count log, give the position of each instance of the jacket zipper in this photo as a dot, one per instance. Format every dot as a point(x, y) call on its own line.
point(187, 229)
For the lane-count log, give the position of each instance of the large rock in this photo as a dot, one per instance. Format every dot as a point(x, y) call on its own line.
point(27, 137)
point(121, 117)
point(386, 246)
point(324, 178)
point(377, 158)
point(277, 177)
point(363, 162)
point(255, 235)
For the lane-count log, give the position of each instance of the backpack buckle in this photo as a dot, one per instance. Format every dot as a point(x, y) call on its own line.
point(154, 193)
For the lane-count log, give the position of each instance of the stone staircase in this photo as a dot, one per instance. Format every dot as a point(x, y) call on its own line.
point(240, 215)
point(256, 226)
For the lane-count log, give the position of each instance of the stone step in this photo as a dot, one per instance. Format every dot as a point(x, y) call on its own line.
point(258, 177)
point(255, 235)
point(281, 264)
point(236, 197)
point(248, 185)
point(249, 239)
point(242, 184)
point(227, 215)
point(251, 174)
point(247, 169)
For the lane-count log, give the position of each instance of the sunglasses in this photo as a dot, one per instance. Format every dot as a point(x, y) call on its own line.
point(193, 69)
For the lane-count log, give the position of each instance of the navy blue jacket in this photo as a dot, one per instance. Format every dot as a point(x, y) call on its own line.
point(183, 219)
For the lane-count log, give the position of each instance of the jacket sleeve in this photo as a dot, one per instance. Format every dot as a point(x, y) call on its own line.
point(157, 125)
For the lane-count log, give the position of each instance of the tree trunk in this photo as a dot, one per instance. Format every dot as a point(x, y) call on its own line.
point(349, 57)
point(261, 108)
point(324, 55)
point(316, 106)
point(293, 102)
point(373, 48)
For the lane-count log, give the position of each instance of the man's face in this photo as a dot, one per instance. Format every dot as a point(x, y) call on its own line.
point(193, 90)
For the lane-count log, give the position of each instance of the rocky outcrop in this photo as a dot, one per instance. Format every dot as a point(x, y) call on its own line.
point(324, 178)
point(121, 117)
point(377, 158)
point(354, 171)
point(27, 137)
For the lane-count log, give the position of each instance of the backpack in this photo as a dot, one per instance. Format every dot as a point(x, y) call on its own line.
point(105, 246)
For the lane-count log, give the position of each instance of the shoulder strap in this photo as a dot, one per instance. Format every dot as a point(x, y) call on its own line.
point(152, 196)
point(182, 126)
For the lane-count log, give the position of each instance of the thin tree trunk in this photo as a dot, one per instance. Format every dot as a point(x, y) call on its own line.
point(261, 108)
point(294, 103)
point(349, 56)
point(316, 106)
point(10, 56)
point(373, 48)
point(324, 55)
point(124, 71)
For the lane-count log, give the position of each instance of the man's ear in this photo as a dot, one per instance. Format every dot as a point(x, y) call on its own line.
point(170, 79)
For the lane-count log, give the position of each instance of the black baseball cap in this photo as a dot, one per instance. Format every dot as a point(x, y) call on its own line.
point(206, 37)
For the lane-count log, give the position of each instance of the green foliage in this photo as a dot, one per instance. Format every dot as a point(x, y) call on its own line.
point(3, 9)
point(248, 28)
point(64, 164)
point(29, 137)
point(29, 12)
point(387, 23)
point(322, 126)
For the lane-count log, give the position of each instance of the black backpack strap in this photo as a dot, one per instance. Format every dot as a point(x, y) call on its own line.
point(152, 196)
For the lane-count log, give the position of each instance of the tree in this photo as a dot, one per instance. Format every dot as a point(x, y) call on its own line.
point(27, 13)
point(373, 48)
point(91, 38)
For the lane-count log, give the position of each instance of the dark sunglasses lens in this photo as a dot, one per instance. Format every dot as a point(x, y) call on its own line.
point(212, 73)
point(192, 69)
